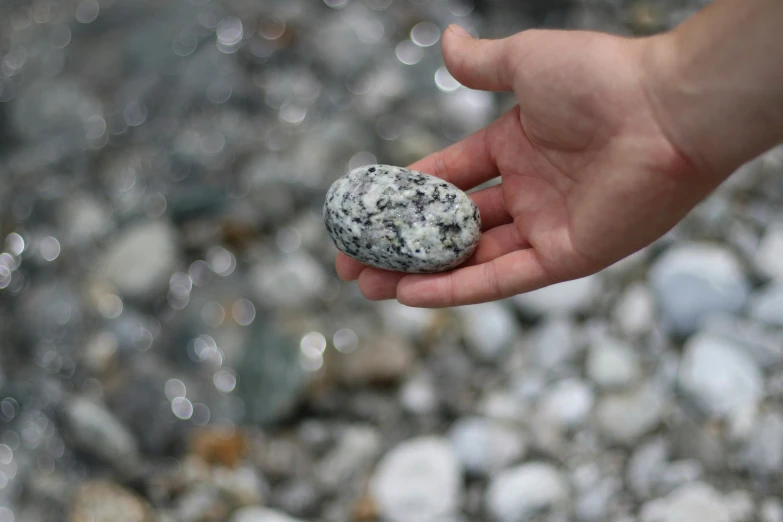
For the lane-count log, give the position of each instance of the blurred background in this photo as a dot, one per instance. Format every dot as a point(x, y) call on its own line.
point(175, 345)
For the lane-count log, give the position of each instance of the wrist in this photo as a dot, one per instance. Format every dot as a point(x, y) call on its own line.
point(715, 82)
point(673, 105)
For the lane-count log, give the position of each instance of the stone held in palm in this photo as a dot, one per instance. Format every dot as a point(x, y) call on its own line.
point(402, 220)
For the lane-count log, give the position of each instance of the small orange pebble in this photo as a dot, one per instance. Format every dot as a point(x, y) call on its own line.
point(219, 445)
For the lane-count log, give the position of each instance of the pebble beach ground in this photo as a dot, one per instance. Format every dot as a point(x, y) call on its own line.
point(175, 345)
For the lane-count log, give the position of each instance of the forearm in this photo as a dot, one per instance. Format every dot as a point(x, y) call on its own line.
point(717, 83)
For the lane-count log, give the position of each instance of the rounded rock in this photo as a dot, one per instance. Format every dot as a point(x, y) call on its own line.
point(719, 375)
point(489, 329)
point(141, 259)
point(612, 363)
point(95, 429)
point(402, 220)
point(695, 280)
point(417, 481)
point(567, 403)
point(517, 494)
point(626, 416)
point(697, 502)
point(485, 446)
point(566, 298)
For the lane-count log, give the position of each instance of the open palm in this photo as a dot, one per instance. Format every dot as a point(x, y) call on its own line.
point(588, 173)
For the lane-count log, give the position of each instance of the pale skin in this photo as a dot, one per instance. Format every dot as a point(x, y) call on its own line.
point(612, 142)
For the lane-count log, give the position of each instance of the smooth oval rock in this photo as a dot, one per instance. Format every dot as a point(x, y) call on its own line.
point(402, 220)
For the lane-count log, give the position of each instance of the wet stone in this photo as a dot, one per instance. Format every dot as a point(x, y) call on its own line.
point(402, 220)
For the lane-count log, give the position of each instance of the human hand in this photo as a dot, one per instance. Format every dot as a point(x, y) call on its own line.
point(588, 174)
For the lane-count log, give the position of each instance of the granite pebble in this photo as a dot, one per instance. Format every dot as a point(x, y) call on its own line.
point(402, 220)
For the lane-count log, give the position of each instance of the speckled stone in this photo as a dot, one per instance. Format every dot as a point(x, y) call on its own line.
point(402, 220)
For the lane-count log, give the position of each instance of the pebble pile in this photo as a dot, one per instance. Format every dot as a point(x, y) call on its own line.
point(176, 346)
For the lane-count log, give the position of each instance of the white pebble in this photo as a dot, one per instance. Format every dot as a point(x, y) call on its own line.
point(695, 280)
point(140, 261)
point(612, 363)
point(763, 454)
point(695, 502)
point(489, 329)
point(417, 481)
point(405, 320)
point(567, 403)
point(627, 416)
point(517, 494)
point(569, 297)
point(635, 310)
point(485, 446)
point(719, 376)
point(553, 343)
point(289, 281)
point(418, 394)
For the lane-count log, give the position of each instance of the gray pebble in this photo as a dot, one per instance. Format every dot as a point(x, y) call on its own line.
point(96, 430)
point(355, 451)
point(695, 502)
point(767, 304)
point(763, 454)
point(140, 261)
point(485, 446)
point(554, 343)
point(645, 467)
point(489, 329)
point(612, 363)
point(627, 416)
point(680, 472)
point(768, 256)
point(695, 280)
point(517, 494)
point(593, 504)
point(402, 220)
point(719, 376)
point(771, 510)
point(761, 343)
point(569, 297)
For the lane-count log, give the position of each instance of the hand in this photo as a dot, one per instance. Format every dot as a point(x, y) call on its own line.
point(588, 174)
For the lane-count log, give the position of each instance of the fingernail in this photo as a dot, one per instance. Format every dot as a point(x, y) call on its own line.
point(459, 30)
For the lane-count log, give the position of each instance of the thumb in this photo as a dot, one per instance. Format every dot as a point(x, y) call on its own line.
point(478, 64)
